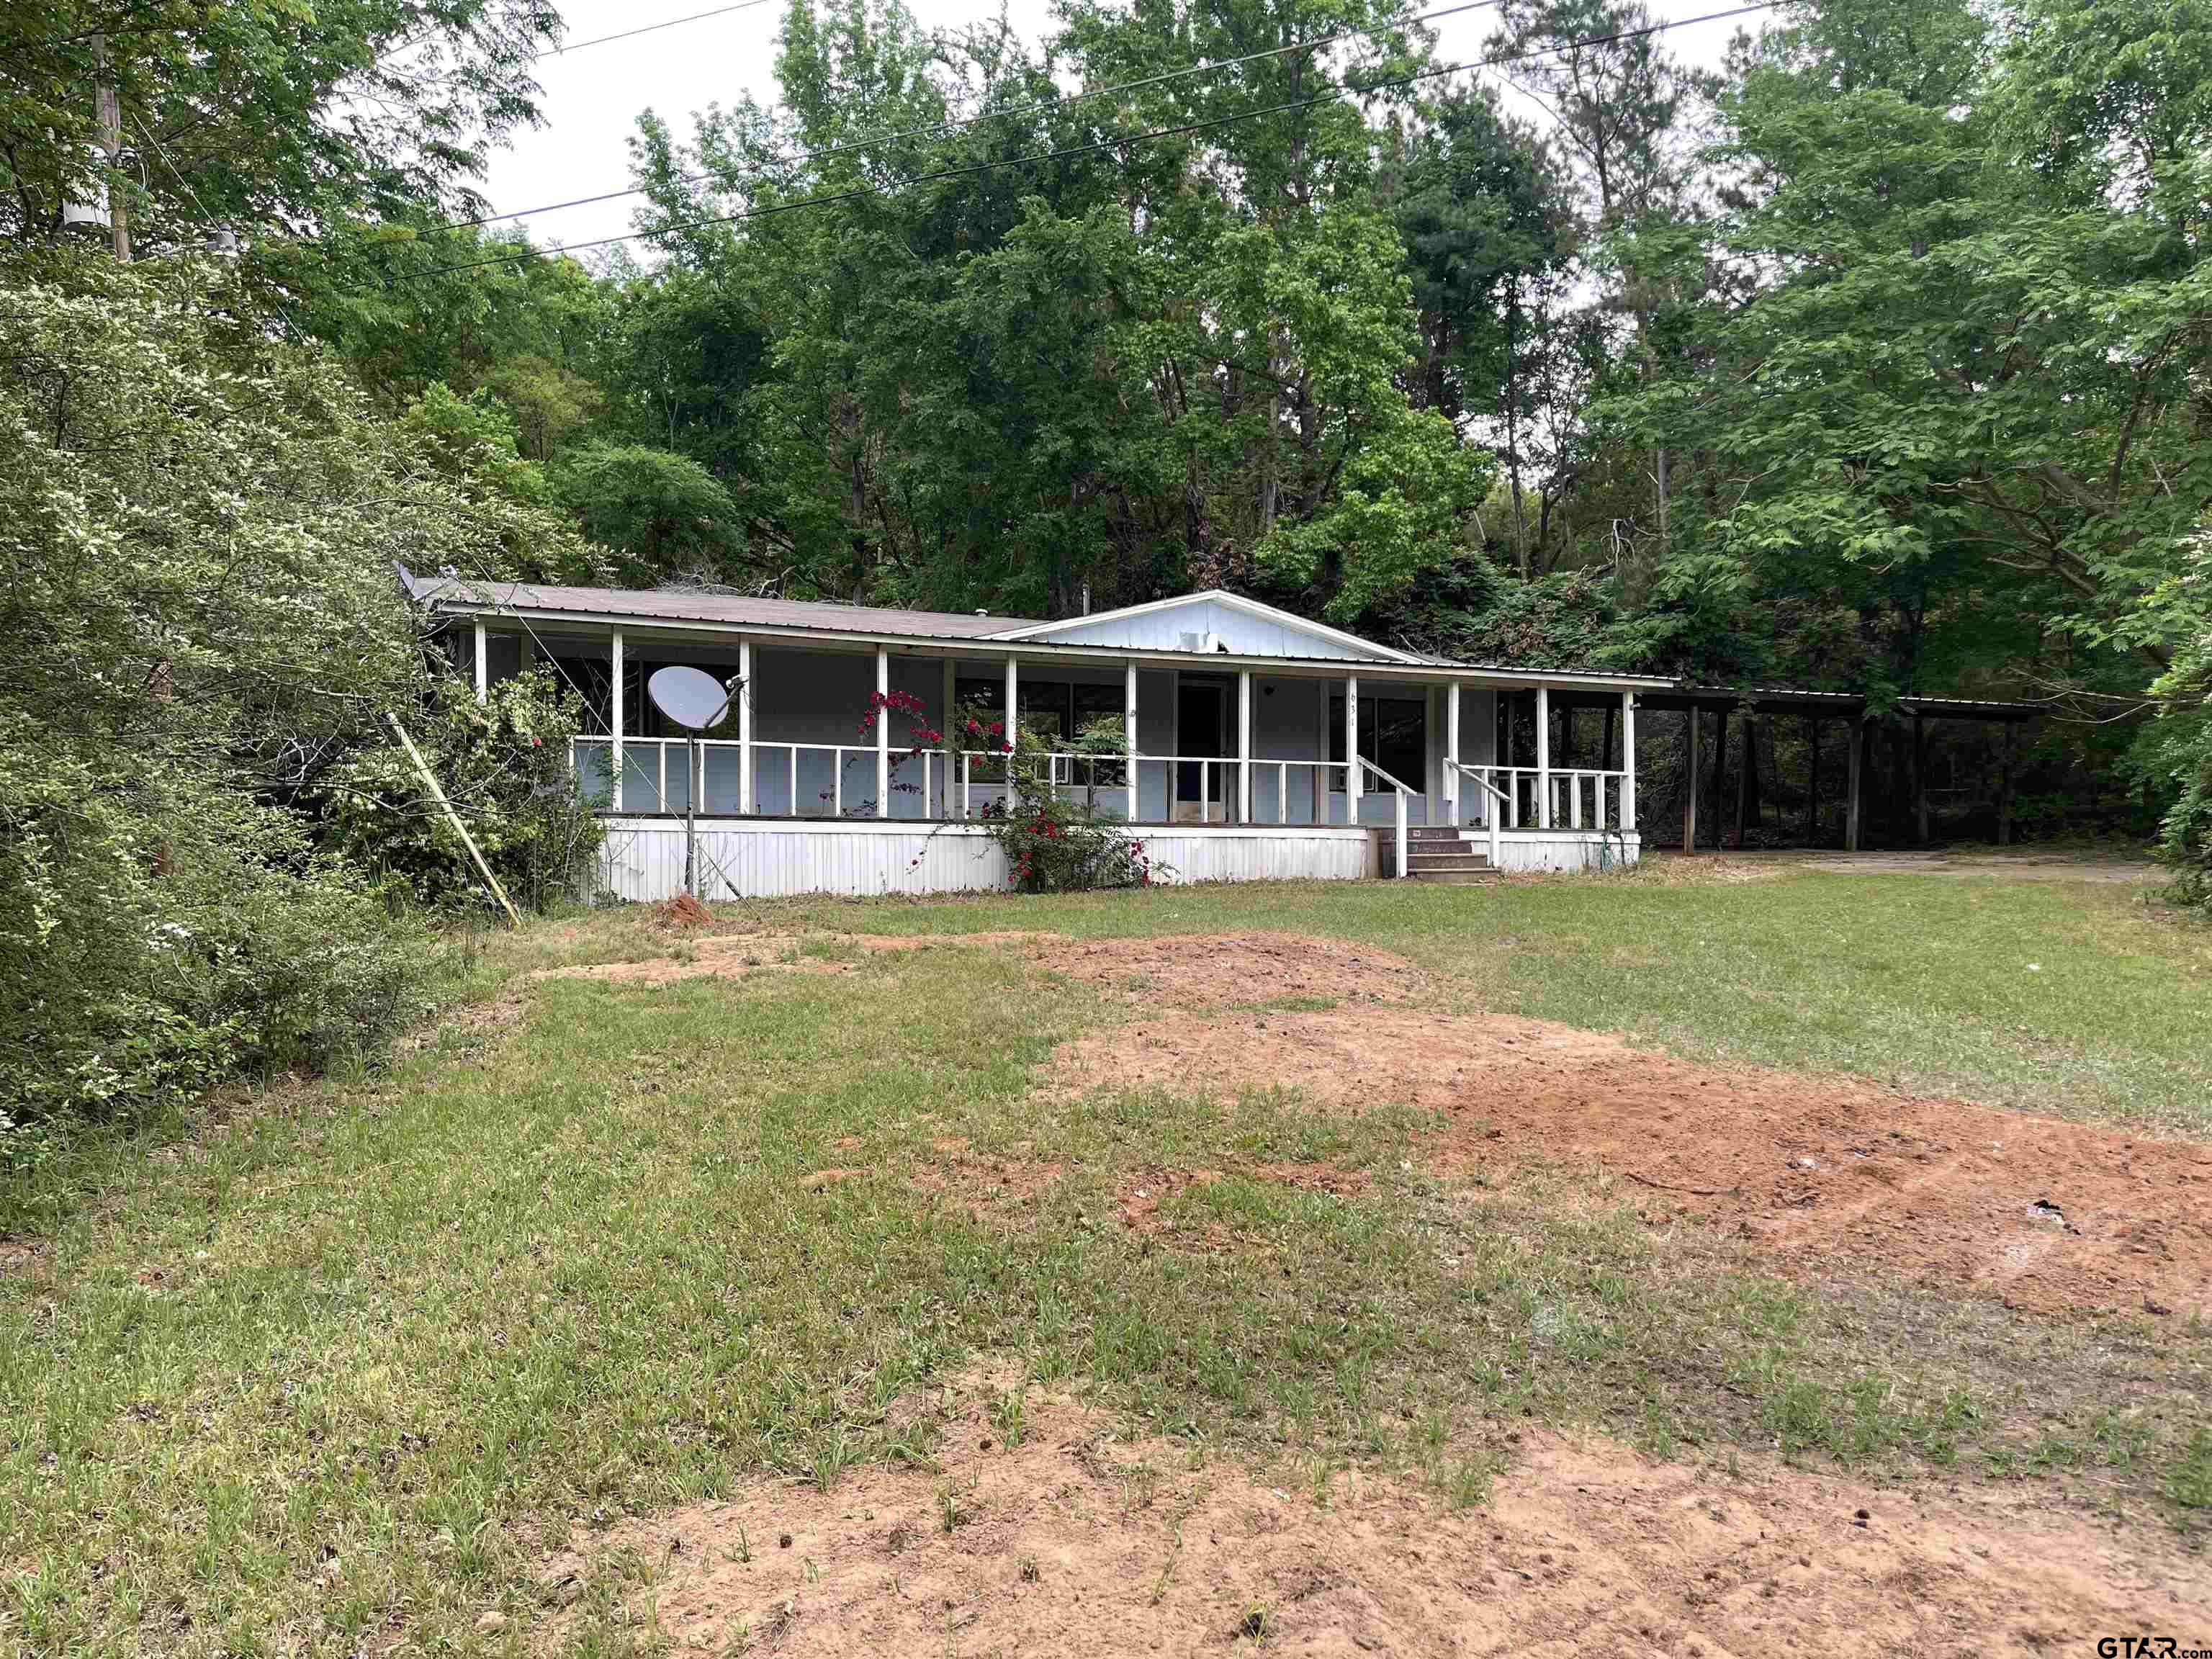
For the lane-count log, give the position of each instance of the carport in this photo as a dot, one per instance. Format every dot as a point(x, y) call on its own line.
point(1908, 720)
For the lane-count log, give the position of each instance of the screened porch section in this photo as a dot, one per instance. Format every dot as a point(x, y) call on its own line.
point(825, 734)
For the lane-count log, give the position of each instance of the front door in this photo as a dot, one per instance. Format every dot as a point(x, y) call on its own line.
point(1201, 728)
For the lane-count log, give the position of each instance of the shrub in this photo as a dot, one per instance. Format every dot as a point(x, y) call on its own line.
point(2174, 750)
point(503, 763)
point(198, 523)
point(1053, 844)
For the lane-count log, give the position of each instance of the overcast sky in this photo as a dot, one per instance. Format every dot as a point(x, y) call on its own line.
point(593, 94)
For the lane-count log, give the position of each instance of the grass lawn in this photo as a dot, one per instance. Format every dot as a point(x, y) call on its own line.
point(335, 1365)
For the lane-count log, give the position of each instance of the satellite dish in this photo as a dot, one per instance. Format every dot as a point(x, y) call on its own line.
point(693, 698)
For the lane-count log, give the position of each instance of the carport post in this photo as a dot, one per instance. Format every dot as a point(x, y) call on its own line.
point(1854, 742)
point(2004, 786)
point(1813, 780)
point(1919, 779)
point(1690, 725)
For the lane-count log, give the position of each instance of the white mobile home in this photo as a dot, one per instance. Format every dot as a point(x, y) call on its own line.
point(1259, 744)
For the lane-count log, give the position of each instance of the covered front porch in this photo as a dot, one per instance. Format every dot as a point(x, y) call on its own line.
point(1240, 771)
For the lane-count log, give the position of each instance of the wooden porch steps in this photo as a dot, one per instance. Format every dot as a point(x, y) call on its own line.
point(1444, 854)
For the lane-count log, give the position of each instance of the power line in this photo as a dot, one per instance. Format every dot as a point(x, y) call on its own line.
point(566, 47)
point(1069, 151)
point(941, 128)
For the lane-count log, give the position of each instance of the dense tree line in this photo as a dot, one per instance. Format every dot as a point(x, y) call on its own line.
point(1874, 359)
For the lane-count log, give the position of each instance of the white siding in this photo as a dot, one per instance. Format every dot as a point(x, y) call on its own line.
point(1567, 850)
point(643, 858)
point(1242, 633)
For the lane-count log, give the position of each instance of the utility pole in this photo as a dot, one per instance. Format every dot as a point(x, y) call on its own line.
point(107, 110)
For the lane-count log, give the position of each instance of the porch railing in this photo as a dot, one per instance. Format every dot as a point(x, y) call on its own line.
point(836, 780)
point(1561, 797)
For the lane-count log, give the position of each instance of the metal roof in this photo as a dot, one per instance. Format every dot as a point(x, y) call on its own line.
point(681, 605)
point(1775, 699)
point(677, 608)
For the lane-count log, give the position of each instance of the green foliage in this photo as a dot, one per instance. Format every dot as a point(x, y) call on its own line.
point(1557, 621)
point(1053, 842)
point(199, 525)
point(503, 764)
point(261, 114)
point(660, 516)
point(2175, 749)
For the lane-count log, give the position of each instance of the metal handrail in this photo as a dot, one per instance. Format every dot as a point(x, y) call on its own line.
point(1479, 774)
point(1404, 796)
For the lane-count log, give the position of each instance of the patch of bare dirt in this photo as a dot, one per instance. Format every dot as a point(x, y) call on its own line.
point(733, 956)
point(1316, 1178)
point(987, 1187)
point(1073, 1543)
point(19, 1254)
point(1141, 1196)
point(877, 942)
point(1139, 1200)
point(1215, 969)
point(2045, 1215)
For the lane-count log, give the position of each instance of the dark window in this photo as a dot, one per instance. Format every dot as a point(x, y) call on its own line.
point(1092, 702)
point(1393, 733)
point(1056, 706)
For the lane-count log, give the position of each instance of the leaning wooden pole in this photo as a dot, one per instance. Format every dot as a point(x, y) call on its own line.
point(430, 782)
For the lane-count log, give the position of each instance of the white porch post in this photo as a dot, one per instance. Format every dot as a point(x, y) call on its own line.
point(883, 734)
point(1129, 735)
point(615, 723)
point(1451, 752)
point(1012, 683)
point(951, 739)
point(483, 667)
point(1352, 749)
point(1543, 757)
point(746, 725)
point(1243, 745)
point(1627, 760)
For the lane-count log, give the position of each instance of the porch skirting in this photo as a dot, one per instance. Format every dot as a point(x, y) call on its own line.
point(1563, 850)
point(769, 858)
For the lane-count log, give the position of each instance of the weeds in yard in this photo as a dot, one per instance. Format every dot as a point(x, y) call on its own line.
point(1007, 1417)
point(576, 1268)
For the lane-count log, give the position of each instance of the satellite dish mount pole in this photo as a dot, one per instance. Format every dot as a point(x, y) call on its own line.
point(697, 702)
point(691, 814)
